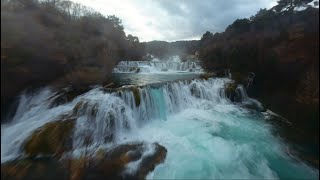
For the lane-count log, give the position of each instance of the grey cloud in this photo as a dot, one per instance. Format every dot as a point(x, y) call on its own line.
point(172, 20)
point(199, 16)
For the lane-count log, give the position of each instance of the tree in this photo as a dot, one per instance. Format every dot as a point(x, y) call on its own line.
point(133, 39)
point(116, 21)
point(262, 14)
point(290, 5)
point(206, 36)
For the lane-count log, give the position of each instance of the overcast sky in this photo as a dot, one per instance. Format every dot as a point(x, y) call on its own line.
point(172, 20)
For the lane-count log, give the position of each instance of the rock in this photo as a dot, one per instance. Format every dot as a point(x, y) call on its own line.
point(105, 164)
point(37, 169)
point(230, 91)
point(136, 94)
point(206, 76)
point(149, 162)
point(194, 91)
point(80, 108)
point(66, 95)
point(254, 106)
point(109, 85)
point(114, 163)
point(53, 138)
point(164, 69)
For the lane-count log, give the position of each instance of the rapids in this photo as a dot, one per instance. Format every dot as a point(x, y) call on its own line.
point(206, 135)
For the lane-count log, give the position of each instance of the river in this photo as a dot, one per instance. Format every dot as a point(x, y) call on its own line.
point(206, 135)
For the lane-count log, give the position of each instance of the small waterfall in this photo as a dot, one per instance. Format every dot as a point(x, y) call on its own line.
point(173, 64)
point(245, 99)
point(171, 98)
point(241, 92)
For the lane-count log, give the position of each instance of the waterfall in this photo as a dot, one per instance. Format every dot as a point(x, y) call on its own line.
point(107, 115)
point(171, 65)
point(206, 135)
point(245, 99)
point(171, 98)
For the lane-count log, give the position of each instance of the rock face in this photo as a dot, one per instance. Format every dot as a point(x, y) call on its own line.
point(66, 95)
point(109, 164)
point(53, 138)
point(136, 93)
point(35, 169)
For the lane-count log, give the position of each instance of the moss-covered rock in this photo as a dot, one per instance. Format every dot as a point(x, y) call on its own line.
point(230, 91)
point(80, 108)
point(136, 94)
point(54, 138)
point(206, 76)
point(39, 168)
point(149, 162)
point(105, 164)
point(239, 78)
point(115, 161)
point(66, 95)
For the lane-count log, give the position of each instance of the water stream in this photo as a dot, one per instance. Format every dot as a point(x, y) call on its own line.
point(206, 135)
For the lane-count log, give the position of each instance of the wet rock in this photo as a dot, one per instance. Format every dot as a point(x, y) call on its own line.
point(254, 106)
point(83, 108)
point(105, 164)
point(136, 94)
point(195, 91)
point(35, 169)
point(115, 161)
point(164, 69)
point(53, 138)
point(230, 91)
point(149, 162)
point(80, 108)
point(66, 95)
point(206, 76)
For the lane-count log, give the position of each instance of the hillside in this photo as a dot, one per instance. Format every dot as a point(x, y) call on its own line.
point(282, 50)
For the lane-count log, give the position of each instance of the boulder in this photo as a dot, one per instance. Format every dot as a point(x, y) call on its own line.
point(105, 164)
point(53, 138)
point(66, 95)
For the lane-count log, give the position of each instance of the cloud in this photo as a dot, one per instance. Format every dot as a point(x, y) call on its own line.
point(179, 19)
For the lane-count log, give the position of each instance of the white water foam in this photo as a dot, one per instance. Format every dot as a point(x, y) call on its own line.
point(206, 135)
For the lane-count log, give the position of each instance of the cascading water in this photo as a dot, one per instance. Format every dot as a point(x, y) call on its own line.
point(172, 65)
point(245, 99)
point(206, 135)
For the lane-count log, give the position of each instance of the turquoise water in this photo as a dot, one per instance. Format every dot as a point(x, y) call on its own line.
point(157, 94)
point(214, 144)
point(143, 78)
point(206, 135)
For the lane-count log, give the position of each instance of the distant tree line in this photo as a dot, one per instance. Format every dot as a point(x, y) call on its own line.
point(163, 50)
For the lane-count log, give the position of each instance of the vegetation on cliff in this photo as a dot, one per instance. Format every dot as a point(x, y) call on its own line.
point(61, 42)
point(281, 47)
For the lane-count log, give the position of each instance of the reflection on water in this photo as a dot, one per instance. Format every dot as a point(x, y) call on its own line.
point(142, 79)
